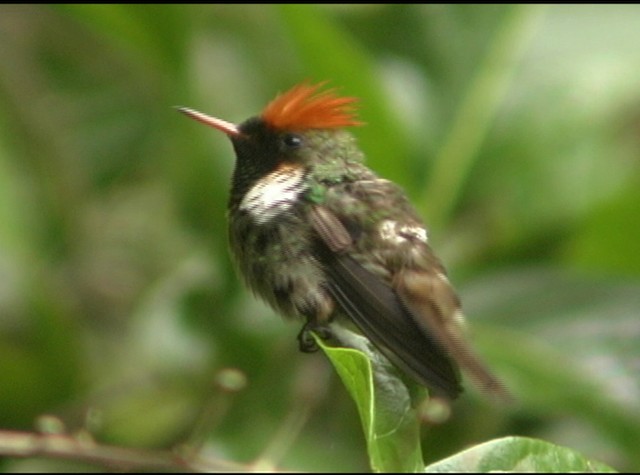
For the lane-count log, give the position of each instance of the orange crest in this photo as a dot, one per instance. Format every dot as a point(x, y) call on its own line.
point(305, 107)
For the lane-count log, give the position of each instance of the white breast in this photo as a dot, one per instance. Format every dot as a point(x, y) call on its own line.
point(273, 194)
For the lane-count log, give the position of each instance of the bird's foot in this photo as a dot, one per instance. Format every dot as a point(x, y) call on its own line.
point(307, 342)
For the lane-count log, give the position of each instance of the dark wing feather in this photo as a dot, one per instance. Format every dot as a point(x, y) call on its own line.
point(375, 308)
point(428, 295)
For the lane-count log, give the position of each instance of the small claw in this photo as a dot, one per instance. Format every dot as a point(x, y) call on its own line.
point(307, 342)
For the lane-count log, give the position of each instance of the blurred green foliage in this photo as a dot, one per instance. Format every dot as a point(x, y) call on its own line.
point(515, 129)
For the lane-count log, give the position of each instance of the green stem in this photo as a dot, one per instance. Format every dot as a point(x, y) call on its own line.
point(479, 107)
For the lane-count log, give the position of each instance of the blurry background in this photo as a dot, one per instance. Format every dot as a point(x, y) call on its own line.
point(515, 130)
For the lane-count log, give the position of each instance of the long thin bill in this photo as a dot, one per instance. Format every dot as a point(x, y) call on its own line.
point(222, 125)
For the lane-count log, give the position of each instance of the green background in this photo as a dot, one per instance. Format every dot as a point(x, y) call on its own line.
point(514, 129)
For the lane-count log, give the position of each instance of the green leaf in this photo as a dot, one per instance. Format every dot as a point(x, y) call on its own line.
point(452, 165)
point(565, 346)
point(517, 454)
point(389, 421)
point(598, 242)
point(151, 34)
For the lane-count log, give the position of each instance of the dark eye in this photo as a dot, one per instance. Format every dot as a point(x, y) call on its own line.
point(292, 140)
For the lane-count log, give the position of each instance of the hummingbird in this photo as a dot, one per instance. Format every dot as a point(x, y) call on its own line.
point(320, 237)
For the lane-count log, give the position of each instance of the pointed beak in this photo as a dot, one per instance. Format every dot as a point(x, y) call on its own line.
point(222, 125)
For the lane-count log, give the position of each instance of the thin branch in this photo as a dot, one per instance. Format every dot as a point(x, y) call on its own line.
point(84, 449)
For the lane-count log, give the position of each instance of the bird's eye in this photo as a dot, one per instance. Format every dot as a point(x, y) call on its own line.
point(292, 140)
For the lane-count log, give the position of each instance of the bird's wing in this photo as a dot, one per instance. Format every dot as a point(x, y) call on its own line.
point(433, 305)
point(375, 307)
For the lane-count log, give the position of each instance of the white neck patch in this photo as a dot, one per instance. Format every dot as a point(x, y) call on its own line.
point(273, 194)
